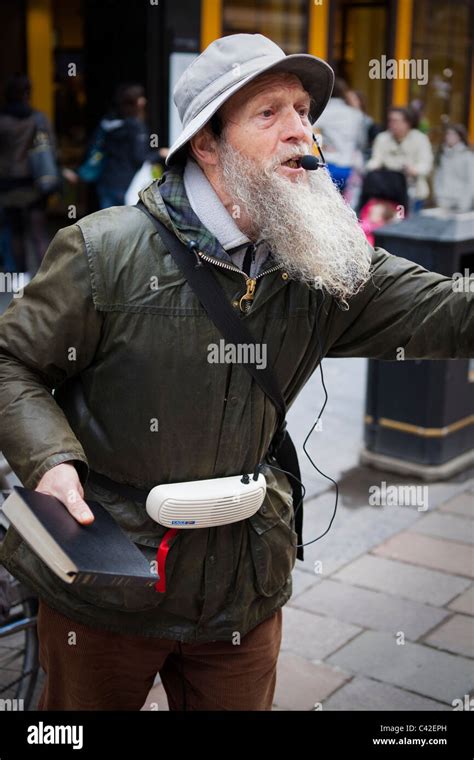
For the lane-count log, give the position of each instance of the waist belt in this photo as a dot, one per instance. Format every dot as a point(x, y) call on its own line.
point(128, 492)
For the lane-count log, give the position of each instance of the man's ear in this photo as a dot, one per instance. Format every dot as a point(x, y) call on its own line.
point(203, 147)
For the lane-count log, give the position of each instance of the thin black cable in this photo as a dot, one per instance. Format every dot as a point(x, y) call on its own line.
point(273, 467)
point(328, 477)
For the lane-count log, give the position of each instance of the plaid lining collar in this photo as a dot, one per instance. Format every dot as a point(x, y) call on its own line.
point(171, 189)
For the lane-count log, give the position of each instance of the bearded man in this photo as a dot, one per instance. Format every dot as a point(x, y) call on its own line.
point(114, 328)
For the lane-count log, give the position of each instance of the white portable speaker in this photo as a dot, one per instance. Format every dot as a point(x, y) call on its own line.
point(206, 503)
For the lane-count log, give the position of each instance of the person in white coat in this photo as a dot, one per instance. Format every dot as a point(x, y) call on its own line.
point(343, 135)
point(453, 182)
point(404, 149)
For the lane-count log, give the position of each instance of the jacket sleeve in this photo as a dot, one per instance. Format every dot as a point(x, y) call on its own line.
point(469, 205)
point(47, 335)
point(404, 306)
point(138, 141)
point(423, 163)
point(377, 157)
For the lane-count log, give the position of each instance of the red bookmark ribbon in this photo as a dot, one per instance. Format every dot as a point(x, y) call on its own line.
point(161, 555)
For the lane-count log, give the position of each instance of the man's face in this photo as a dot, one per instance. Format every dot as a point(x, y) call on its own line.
point(451, 138)
point(397, 125)
point(312, 233)
point(268, 122)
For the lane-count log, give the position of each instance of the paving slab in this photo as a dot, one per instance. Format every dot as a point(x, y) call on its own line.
point(415, 667)
point(366, 694)
point(314, 636)
point(370, 609)
point(461, 504)
point(456, 635)
point(401, 579)
point(301, 684)
point(353, 532)
point(302, 581)
point(438, 554)
point(464, 602)
point(446, 525)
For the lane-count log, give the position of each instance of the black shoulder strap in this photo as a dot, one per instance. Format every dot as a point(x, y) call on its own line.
point(212, 297)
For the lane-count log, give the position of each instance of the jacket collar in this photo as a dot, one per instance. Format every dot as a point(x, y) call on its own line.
point(167, 199)
point(210, 209)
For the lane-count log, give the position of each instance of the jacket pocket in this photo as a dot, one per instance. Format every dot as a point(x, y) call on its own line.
point(130, 598)
point(273, 542)
point(23, 563)
point(9, 545)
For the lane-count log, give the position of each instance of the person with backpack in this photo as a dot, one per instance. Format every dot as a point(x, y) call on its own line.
point(118, 147)
point(404, 149)
point(236, 223)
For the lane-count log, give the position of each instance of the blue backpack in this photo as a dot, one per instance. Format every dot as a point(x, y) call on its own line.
point(91, 169)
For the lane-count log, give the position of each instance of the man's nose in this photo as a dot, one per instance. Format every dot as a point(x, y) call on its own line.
point(293, 128)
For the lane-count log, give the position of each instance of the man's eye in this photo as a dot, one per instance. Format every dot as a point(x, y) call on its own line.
point(267, 112)
point(304, 112)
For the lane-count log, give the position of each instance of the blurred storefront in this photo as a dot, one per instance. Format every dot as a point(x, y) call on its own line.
point(352, 33)
point(76, 51)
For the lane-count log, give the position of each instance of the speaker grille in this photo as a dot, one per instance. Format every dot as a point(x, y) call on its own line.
point(221, 511)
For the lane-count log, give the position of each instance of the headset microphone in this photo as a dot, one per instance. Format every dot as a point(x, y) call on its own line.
point(310, 162)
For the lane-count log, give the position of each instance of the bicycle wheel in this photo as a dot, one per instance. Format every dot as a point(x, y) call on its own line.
point(19, 666)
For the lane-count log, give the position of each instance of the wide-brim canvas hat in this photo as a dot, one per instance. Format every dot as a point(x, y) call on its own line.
point(227, 65)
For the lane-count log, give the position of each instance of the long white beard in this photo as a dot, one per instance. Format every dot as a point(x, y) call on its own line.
point(310, 229)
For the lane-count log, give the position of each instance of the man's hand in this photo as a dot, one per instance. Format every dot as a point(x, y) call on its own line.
point(63, 482)
point(410, 171)
point(70, 175)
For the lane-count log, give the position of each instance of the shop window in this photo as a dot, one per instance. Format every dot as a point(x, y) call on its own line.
point(361, 35)
point(443, 34)
point(283, 21)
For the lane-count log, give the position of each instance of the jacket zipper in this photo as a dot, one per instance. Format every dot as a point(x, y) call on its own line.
point(251, 282)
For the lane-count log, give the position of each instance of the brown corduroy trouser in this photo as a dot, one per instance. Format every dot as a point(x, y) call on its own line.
point(92, 669)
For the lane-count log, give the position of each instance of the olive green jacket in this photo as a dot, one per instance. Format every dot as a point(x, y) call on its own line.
point(104, 362)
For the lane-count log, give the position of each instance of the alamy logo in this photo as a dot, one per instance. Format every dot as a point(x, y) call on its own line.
point(12, 282)
point(237, 353)
point(466, 704)
point(46, 734)
point(399, 496)
point(12, 705)
point(463, 282)
point(391, 68)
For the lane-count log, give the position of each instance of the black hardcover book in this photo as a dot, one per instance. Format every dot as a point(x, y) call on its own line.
point(99, 553)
